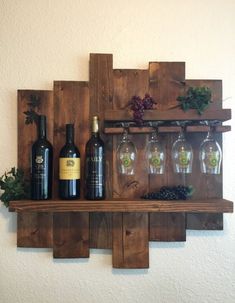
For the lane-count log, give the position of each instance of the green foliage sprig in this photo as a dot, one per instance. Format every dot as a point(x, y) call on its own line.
point(14, 186)
point(198, 98)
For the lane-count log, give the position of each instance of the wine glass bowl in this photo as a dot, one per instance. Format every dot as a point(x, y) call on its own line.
point(155, 154)
point(126, 155)
point(210, 155)
point(182, 155)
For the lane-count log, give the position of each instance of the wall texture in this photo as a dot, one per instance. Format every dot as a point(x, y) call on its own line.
point(46, 40)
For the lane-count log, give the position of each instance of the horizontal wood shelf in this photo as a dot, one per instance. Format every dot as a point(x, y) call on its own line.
point(167, 129)
point(195, 206)
point(169, 115)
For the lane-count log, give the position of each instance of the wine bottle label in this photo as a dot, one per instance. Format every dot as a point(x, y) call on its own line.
point(69, 168)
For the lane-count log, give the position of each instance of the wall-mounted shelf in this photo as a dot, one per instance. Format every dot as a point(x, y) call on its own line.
point(122, 222)
point(169, 115)
point(197, 206)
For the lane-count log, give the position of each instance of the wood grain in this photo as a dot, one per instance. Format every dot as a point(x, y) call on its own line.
point(101, 99)
point(132, 251)
point(33, 230)
point(71, 235)
point(207, 186)
point(166, 83)
point(170, 115)
point(70, 99)
point(130, 240)
point(123, 205)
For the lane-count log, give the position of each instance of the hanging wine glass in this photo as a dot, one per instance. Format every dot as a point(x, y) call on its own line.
point(126, 155)
point(155, 154)
point(210, 155)
point(182, 155)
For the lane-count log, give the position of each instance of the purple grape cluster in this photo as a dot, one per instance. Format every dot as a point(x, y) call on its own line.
point(138, 106)
point(148, 102)
point(179, 192)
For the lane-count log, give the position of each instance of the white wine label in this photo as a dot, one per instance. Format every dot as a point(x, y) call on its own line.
point(69, 168)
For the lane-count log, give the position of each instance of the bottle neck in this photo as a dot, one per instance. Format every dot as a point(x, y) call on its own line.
point(95, 127)
point(69, 133)
point(42, 127)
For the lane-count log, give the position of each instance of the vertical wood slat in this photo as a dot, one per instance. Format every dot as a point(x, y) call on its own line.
point(130, 240)
point(101, 98)
point(71, 105)
point(166, 82)
point(165, 85)
point(206, 186)
point(33, 230)
point(130, 231)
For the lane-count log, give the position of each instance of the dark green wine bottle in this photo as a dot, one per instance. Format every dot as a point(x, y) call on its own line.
point(41, 164)
point(95, 165)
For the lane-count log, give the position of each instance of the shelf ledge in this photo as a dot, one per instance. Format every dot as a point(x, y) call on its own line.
point(192, 206)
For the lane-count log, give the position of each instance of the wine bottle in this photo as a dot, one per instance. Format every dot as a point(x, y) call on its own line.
point(69, 167)
point(95, 165)
point(41, 164)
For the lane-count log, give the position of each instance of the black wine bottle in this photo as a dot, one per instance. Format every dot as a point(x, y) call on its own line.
point(69, 167)
point(41, 164)
point(95, 165)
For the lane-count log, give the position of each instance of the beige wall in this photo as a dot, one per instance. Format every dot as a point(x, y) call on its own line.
point(46, 40)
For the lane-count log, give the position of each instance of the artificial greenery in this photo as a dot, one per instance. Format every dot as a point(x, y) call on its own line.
point(31, 115)
point(198, 98)
point(14, 186)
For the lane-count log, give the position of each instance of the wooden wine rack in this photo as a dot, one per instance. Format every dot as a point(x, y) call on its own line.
point(122, 222)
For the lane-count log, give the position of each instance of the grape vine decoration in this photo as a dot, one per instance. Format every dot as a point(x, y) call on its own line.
point(198, 98)
point(31, 115)
point(138, 106)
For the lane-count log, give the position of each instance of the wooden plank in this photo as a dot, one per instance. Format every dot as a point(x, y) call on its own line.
point(174, 228)
point(206, 186)
point(70, 99)
point(124, 205)
point(133, 248)
point(71, 235)
point(170, 115)
point(33, 230)
point(101, 99)
point(166, 83)
point(167, 227)
point(130, 240)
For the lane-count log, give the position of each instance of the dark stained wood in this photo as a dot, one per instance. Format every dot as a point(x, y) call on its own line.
point(205, 221)
point(100, 229)
point(33, 230)
point(206, 187)
point(128, 83)
point(167, 227)
point(130, 240)
point(71, 235)
point(174, 228)
point(213, 205)
point(70, 99)
point(101, 99)
point(166, 82)
point(170, 115)
point(167, 129)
